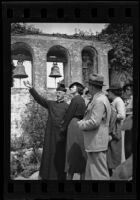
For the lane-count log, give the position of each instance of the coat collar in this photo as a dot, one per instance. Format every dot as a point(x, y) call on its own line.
point(97, 94)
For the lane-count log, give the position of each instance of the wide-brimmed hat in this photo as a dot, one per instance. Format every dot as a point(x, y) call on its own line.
point(61, 87)
point(114, 88)
point(77, 84)
point(96, 79)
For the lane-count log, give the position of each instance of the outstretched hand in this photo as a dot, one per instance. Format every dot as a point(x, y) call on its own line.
point(27, 84)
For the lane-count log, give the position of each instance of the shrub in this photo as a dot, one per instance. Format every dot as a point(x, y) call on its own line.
point(24, 165)
point(29, 170)
point(16, 165)
point(21, 142)
point(34, 124)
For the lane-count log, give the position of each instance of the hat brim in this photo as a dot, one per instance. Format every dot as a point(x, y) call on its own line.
point(77, 84)
point(61, 89)
point(95, 83)
point(113, 89)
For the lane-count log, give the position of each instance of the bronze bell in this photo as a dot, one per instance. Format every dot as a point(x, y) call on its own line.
point(55, 73)
point(19, 71)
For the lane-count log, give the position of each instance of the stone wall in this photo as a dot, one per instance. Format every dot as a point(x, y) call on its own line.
point(38, 47)
point(19, 99)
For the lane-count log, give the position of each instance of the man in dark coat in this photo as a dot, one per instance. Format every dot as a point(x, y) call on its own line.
point(53, 156)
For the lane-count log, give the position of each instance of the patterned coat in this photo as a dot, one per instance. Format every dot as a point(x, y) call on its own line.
point(95, 124)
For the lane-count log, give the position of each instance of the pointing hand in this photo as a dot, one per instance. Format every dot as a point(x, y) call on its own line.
point(27, 84)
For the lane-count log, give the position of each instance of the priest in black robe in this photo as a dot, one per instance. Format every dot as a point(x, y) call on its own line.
point(53, 156)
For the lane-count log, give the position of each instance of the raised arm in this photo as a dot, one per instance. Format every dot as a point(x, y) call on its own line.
point(40, 100)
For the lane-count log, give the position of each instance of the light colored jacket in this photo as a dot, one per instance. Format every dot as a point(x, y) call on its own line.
point(119, 106)
point(95, 124)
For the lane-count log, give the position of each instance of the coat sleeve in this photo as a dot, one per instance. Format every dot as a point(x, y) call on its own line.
point(40, 100)
point(69, 114)
point(97, 114)
point(121, 111)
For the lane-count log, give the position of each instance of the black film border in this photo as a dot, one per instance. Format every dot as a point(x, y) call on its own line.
point(78, 12)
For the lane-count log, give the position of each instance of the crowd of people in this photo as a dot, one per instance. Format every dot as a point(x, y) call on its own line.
point(89, 135)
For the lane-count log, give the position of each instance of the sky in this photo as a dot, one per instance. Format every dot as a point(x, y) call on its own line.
point(68, 28)
point(63, 28)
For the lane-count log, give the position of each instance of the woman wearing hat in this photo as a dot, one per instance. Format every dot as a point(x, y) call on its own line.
point(115, 148)
point(53, 156)
point(75, 154)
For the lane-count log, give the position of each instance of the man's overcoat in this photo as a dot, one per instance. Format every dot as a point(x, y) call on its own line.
point(95, 124)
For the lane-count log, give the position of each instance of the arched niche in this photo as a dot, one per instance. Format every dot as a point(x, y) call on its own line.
point(60, 55)
point(117, 76)
point(18, 50)
point(89, 62)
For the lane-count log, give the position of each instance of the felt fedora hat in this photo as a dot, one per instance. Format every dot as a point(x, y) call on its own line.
point(114, 88)
point(96, 79)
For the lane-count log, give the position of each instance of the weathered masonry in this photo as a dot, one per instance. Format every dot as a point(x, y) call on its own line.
point(79, 57)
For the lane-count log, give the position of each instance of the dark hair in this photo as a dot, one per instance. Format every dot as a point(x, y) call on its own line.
point(80, 88)
point(128, 85)
point(87, 92)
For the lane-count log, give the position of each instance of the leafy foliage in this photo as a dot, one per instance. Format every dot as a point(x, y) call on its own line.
point(120, 36)
point(24, 165)
point(34, 123)
point(23, 28)
point(18, 143)
point(33, 126)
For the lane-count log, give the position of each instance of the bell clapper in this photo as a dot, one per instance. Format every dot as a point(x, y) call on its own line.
point(20, 82)
point(55, 82)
